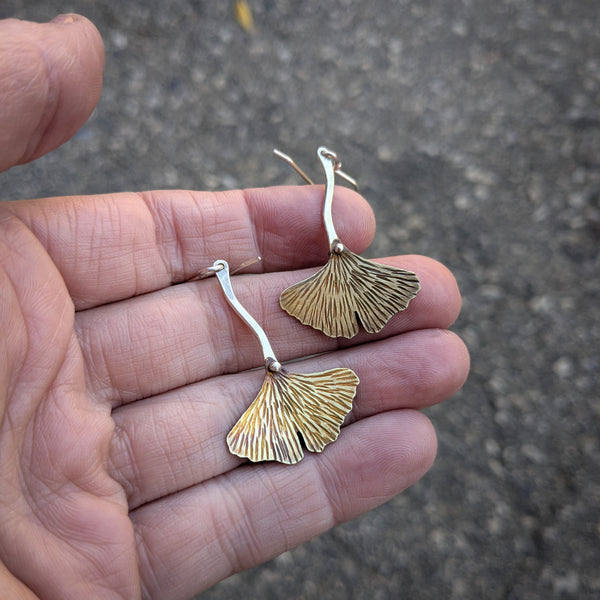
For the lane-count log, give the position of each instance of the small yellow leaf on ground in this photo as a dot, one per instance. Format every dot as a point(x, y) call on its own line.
point(243, 15)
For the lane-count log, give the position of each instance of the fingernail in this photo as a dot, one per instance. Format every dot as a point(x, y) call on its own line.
point(63, 19)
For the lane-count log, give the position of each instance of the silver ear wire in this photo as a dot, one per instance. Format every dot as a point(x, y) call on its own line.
point(221, 269)
point(337, 165)
point(290, 161)
point(332, 167)
point(211, 270)
point(329, 154)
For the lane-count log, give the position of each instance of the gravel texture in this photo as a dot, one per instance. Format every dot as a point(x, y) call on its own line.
point(474, 130)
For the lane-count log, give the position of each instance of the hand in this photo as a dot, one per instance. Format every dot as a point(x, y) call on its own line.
point(117, 388)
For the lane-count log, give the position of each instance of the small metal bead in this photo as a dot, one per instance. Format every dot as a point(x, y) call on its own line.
point(274, 366)
point(338, 247)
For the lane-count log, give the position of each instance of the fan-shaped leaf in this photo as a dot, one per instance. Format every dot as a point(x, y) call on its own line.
point(313, 405)
point(347, 289)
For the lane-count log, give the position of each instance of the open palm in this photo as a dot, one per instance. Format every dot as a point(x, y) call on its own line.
point(117, 387)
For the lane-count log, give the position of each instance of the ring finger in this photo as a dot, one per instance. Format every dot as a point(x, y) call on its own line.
point(177, 439)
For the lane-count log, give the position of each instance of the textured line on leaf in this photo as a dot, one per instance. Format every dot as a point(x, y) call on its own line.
point(314, 405)
point(349, 288)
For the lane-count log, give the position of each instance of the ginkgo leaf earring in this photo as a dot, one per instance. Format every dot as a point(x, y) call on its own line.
point(313, 405)
point(349, 289)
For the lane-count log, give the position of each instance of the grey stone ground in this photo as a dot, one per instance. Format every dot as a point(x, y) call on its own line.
point(474, 129)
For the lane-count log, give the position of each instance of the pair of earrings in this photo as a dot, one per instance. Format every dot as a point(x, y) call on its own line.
point(347, 291)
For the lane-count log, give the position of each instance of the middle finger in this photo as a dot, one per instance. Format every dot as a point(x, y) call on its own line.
point(186, 333)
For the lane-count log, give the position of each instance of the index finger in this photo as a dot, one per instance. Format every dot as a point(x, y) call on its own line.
point(115, 246)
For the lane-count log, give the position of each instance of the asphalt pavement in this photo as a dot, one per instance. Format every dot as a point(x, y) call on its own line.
point(473, 128)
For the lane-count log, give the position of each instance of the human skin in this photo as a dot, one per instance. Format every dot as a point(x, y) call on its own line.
point(119, 379)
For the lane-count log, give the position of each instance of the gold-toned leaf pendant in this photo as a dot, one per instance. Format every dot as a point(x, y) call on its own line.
point(289, 405)
point(312, 405)
point(350, 289)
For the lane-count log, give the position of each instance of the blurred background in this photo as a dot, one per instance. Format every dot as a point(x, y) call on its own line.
point(473, 128)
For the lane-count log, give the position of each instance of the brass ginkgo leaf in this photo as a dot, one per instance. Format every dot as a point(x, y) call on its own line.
point(312, 405)
point(347, 289)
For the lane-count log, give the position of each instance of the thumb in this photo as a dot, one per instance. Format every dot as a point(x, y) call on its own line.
point(50, 82)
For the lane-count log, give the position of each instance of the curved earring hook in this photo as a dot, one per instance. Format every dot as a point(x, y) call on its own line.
point(332, 167)
point(337, 167)
point(290, 161)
